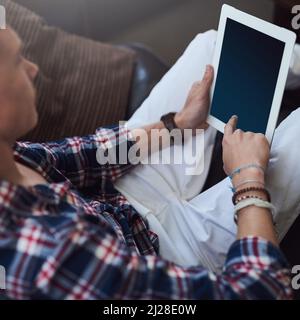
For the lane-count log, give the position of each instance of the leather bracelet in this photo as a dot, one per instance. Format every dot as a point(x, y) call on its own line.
point(238, 193)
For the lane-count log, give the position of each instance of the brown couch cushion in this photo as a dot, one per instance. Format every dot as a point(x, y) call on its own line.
point(82, 84)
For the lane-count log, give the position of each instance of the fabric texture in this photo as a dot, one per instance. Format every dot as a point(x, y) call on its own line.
point(169, 95)
point(77, 238)
point(82, 84)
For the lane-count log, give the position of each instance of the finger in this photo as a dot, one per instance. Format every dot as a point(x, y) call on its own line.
point(249, 134)
point(205, 126)
point(231, 126)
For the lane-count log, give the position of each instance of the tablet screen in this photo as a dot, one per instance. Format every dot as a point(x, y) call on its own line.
point(247, 76)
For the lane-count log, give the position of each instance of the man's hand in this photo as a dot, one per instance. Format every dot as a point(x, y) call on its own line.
point(242, 148)
point(195, 111)
point(192, 116)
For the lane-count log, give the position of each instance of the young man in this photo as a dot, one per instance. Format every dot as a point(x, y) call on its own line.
point(66, 233)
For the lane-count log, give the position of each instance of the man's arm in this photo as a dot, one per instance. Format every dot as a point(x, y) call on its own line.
point(79, 158)
point(239, 149)
point(92, 264)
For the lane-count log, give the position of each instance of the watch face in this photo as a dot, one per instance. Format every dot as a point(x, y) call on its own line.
point(168, 121)
point(170, 124)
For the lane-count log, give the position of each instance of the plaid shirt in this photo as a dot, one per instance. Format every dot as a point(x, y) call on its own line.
point(78, 238)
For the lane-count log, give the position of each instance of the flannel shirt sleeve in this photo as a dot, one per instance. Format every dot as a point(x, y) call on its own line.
point(89, 263)
point(77, 158)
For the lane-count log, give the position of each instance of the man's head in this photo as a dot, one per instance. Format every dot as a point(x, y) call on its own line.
point(17, 94)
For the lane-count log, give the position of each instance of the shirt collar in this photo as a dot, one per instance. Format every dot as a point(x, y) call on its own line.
point(50, 193)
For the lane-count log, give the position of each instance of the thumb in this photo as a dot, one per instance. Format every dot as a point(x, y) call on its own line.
point(208, 78)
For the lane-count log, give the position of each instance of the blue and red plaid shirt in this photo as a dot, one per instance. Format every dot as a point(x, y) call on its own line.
point(78, 238)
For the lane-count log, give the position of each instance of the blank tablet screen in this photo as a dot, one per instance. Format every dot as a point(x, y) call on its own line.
point(247, 76)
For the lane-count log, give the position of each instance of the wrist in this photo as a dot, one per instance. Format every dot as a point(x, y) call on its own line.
point(256, 176)
point(179, 120)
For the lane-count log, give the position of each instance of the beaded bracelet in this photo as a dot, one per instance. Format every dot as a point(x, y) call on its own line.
point(238, 193)
point(242, 198)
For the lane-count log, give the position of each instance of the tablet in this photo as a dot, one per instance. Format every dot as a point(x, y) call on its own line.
point(251, 62)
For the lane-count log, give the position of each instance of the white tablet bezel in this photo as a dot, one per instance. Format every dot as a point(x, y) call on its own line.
point(284, 35)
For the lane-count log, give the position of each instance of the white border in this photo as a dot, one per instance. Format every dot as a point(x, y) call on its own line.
point(284, 35)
